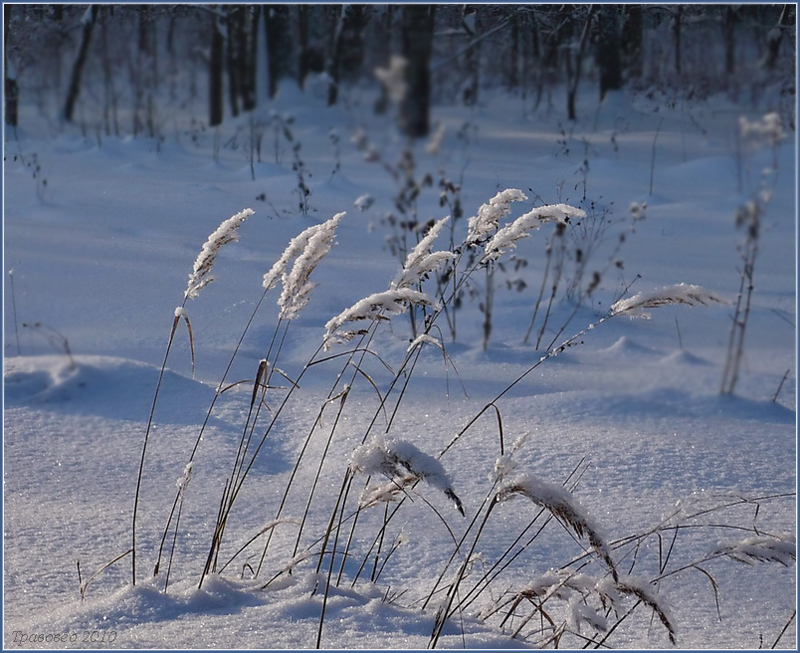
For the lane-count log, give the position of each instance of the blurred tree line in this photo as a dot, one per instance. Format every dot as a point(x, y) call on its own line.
point(129, 63)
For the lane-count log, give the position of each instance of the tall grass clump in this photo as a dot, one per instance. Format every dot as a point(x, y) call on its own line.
point(355, 476)
point(200, 277)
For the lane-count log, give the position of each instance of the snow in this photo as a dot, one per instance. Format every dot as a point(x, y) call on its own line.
point(625, 429)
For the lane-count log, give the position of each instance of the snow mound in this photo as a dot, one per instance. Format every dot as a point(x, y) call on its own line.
point(104, 386)
point(627, 347)
point(683, 357)
point(238, 614)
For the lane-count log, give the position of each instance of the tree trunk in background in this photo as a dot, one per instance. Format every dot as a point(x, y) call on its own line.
point(729, 37)
point(775, 37)
point(77, 69)
point(472, 25)
point(215, 70)
point(235, 66)
point(348, 47)
point(417, 29)
point(249, 82)
point(632, 32)
point(11, 96)
point(303, 19)
point(609, 51)
point(279, 45)
point(575, 76)
point(677, 19)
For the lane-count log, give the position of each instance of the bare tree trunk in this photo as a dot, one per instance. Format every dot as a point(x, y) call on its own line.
point(279, 45)
point(215, 69)
point(729, 38)
point(608, 52)
point(472, 14)
point(677, 19)
point(632, 34)
point(234, 46)
point(572, 91)
point(11, 96)
point(77, 69)
point(775, 37)
point(417, 28)
point(348, 47)
point(250, 58)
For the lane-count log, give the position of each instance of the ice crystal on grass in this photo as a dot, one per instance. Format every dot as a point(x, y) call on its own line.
point(225, 233)
point(781, 549)
point(420, 260)
point(373, 307)
point(563, 506)
point(483, 224)
point(403, 464)
point(506, 238)
point(423, 338)
point(307, 249)
point(681, 293)
point(183, 482)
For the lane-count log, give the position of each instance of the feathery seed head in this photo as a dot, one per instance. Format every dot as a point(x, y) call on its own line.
point(306, 249)
point(224, 234)
point(480, 226)
point(682, 293)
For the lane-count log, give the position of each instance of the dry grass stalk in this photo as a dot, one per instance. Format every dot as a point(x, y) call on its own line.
point(560, 503)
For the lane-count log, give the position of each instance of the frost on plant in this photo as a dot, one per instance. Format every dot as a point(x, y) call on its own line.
point(423, 338)
point(563, 506)
point(483, 224)
point(590, 600)
point(371, 308)
point(403, 464)
point(767, 130)
point(307, 249)
point(225, 233)
point(506, 238)
point(364, 202)
point(421, 261)
point(393, 78)
point(682, 293)
point(183, 482)
point(781, 549)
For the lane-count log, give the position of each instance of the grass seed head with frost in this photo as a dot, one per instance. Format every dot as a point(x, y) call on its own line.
point(682, 293)
point(224, 234)
point(486, 221)
point(781, 549)
point(420, 260)
point(403, 464)
point(307, 249)
point(646, 593)
point(506, 238)
point(563, 506)
point(373, 307)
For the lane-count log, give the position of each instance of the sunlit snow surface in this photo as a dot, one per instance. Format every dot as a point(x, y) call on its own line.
point(103, 254)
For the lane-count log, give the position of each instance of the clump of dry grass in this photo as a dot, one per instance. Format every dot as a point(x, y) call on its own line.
point(200, 277)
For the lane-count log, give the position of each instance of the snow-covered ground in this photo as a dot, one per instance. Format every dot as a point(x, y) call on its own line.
point(631, 417)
